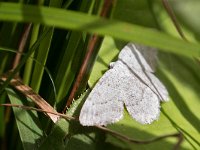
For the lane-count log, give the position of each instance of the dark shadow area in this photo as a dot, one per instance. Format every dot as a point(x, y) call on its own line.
point(93, 143)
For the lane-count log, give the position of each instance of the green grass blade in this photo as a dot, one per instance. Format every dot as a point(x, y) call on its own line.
point(29, 63)
point(27, 122)
point(33, 48)
point(65, 70)
point(80, 21)
point(56, 139)
point(2, 114)
point(42, 55)
point(39, 64)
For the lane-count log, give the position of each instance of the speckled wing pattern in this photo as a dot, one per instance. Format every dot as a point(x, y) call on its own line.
point(129, 81)
point(103, 105)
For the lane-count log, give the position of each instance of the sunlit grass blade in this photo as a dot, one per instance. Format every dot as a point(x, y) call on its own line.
point(79, 21)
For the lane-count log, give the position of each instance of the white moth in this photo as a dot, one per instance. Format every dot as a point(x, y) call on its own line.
point(130, 81)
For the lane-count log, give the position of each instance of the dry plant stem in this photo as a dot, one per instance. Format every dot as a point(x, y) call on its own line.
point(106, 8)
point(40, 110)
point(91, 46)
point(113, 133)
point(21, 46)
point(180, 140)
point(173, 18)
point(82, 71)
point(178, 135)
point(37, 99)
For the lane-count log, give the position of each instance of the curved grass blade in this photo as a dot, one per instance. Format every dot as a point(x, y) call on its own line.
point(79, 21)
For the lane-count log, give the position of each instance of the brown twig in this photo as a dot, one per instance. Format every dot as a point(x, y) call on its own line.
point(173, 18)
point(21, 46)
point(40, 110)
point(180, 140)
point(82, 71)
point(28, 92)
point(113, 133)
point(90, 50)
point(139, 141)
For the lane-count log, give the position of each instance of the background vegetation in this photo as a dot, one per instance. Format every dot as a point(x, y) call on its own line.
point(45, 43)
